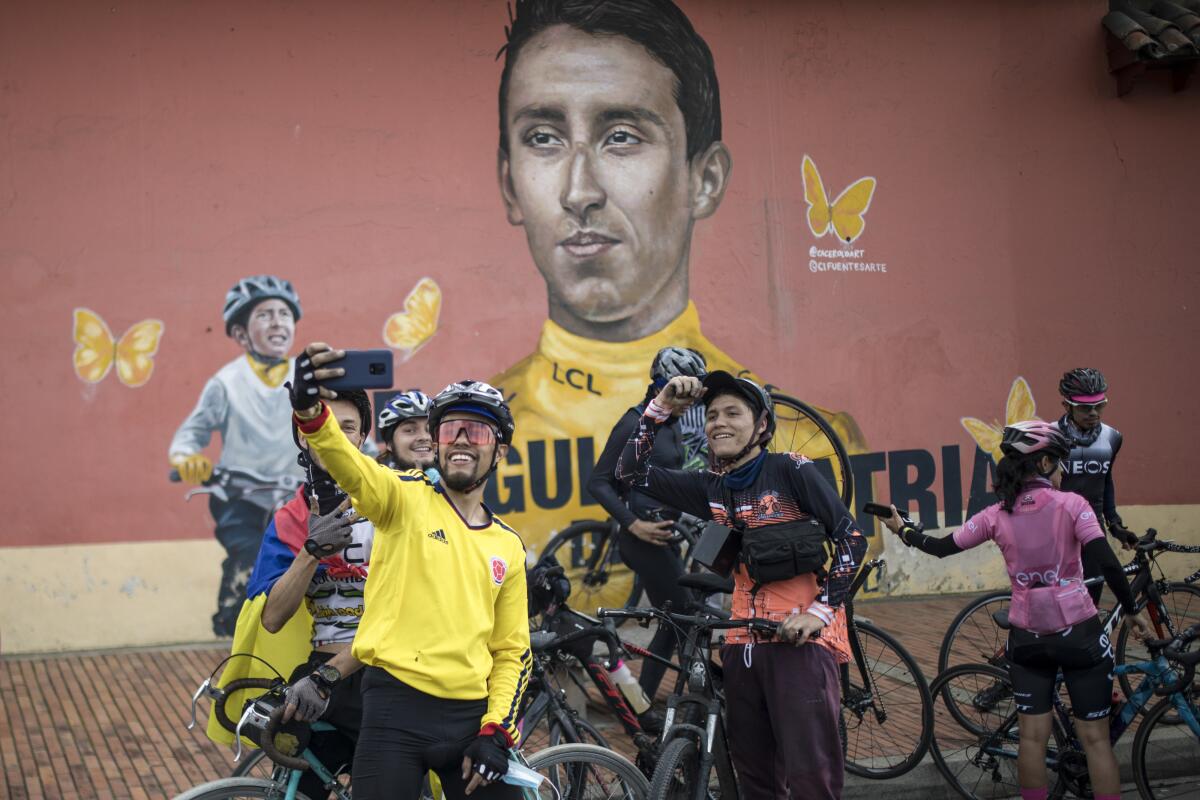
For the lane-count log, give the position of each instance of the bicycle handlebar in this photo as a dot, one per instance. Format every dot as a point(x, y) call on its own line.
point(221, 696)
point(600, 631)
point(267, 742)
point(701, 621)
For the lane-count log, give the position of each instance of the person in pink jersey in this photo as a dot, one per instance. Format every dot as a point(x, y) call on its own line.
point(1044, 534)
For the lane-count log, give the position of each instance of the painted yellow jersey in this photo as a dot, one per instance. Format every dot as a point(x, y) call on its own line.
point(565, 399)
point(446, 610)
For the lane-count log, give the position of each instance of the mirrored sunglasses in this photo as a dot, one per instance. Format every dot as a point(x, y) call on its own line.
point(478, 433)
point(1088, 406)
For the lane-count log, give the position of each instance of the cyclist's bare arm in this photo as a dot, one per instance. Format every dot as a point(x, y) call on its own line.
point(287, 594)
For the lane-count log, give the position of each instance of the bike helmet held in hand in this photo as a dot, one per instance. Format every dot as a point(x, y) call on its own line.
point(412, 404)
point(475, 397)
point(1085, 383)
point(674, 361)
point(248, 292)
point(1034, 437)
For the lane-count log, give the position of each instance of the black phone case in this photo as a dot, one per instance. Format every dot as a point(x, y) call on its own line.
point(878, 509)
point(365, 369)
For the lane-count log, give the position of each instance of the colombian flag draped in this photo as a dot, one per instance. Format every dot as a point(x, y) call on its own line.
point(289, 647)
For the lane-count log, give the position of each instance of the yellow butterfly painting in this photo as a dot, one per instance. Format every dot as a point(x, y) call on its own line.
point(96, 351)
point(411, 328)
point(845, 214)
point(1020, 407)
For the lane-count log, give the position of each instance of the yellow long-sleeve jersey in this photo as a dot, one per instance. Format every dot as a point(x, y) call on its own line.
point(446, 608)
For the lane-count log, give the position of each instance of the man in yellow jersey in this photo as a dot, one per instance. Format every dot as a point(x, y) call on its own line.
point(445, 627)
point(610, 151)
point(246, 403)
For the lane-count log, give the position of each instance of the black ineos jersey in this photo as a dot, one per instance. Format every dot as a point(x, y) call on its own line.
point(1087, 470)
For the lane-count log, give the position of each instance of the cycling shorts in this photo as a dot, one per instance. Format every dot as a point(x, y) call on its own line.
point(1082, 652)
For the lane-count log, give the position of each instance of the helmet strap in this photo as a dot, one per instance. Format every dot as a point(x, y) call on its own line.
point(724, 464)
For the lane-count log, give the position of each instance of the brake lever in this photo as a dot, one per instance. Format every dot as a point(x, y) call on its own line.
point(245, 717)
point(196, 699)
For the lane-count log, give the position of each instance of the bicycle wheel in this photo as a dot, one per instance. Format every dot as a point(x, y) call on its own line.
point(886, 713)
point(237, 789)
point(973, 636)
point(800, 428)
point(979, 760)
point(593, 564)
point(1166, 756)
point(588, 772)
point(1182, 601)
point(675, 774)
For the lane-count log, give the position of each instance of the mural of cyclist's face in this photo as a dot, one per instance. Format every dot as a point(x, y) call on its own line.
point(348, 419)
point(598, 176)
point(729, 423)
point(268, 330)
point(462, 462)
point(411, 444)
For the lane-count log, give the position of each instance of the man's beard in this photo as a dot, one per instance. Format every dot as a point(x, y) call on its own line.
point(460, 483)
point(457, 481)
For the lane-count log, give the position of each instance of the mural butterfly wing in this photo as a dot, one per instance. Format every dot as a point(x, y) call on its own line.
point(135, 352)
point(94, 350)
point(986, 436)
point(411, 328)
point(1020, 404)
point(818, 202)
point(850, 207)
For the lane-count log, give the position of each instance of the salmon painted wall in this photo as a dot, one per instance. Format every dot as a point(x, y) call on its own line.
point(1023, 221)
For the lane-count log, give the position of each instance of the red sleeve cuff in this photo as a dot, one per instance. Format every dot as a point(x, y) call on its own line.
point(310, 426)
point(493, 728)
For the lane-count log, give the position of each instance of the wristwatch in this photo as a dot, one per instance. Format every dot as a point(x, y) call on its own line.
point(325, 676)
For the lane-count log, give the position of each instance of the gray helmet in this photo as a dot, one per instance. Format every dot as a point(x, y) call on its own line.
point(674, 361)
point(248, 292)
point(475, 397)
point(413, 404)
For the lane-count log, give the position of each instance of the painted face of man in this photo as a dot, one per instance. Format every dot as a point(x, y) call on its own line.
point(411, 444)
point(268, 330)
point(598, 173)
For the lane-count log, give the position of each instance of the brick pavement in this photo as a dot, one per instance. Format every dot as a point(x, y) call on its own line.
point(112, 725)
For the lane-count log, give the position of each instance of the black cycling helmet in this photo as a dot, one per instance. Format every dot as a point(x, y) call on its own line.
point(476, 397)
point(673, 361)
point(720, 382)
point(1082, 382)
point(249, 292)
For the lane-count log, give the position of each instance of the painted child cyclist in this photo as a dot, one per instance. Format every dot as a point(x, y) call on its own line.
point(246, 403)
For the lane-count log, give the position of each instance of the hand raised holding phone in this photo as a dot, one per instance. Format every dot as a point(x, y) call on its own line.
point(681, 392)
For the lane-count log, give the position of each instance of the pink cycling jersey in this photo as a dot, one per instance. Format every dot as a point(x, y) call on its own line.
point(1041, 541)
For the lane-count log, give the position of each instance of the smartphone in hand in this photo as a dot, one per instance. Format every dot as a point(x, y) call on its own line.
point(365, 369)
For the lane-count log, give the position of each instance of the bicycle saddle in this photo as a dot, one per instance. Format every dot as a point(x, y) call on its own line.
point(1001, 618)
point(707, 583)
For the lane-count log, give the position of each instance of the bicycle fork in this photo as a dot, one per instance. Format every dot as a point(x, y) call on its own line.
point(681, 710)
